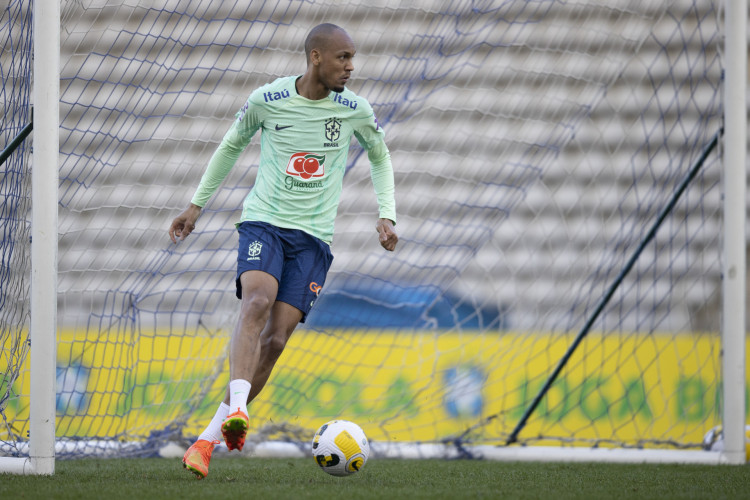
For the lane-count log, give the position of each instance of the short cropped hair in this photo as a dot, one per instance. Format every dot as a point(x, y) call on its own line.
point(318, 37)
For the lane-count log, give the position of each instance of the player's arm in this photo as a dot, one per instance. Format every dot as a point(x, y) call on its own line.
point(381, 172)
point(247, 122)
point(372, 138)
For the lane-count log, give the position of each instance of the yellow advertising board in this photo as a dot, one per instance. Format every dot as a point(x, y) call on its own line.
point(402, 386)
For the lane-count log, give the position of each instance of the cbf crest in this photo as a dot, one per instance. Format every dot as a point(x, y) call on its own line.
point(333, 129)
point(253, 251)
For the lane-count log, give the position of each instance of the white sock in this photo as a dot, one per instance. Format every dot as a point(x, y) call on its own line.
point(239, 389)
point(213, 431)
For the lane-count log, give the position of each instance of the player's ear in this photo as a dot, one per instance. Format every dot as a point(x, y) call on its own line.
point(315, 57)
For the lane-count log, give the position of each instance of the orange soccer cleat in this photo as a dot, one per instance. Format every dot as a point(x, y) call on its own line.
point(198, 456)
point(234, 429)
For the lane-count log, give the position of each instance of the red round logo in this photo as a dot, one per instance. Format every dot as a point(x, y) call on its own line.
point(306, 165)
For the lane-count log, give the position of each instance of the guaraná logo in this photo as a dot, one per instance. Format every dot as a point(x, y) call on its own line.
point(306, 165)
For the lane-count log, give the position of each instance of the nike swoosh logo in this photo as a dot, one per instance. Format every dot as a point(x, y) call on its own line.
point(282, 127)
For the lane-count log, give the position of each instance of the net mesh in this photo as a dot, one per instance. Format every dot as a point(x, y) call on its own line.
point(534, 143)
point(15, 175)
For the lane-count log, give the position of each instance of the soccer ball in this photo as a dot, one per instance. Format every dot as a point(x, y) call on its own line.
point(340, 448)
point(714, 440)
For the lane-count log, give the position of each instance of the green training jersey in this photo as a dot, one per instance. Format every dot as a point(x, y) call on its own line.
point(303, 153)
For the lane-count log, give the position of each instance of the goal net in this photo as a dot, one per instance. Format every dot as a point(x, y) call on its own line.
point(534, 143)
point(15, 209)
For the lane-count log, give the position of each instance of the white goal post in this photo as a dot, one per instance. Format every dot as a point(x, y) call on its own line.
point(735, 239)
point(43, 323)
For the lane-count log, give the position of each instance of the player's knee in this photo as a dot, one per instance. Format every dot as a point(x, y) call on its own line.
point(256, 307)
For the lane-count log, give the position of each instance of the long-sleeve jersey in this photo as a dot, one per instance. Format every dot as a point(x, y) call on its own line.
point(303, 153)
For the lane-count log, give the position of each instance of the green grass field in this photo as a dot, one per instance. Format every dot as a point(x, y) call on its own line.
point(136, 479)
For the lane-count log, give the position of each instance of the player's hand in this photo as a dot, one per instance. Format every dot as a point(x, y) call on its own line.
point(387, 234)
point(184, 223)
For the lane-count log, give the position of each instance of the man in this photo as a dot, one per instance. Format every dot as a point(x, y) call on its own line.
point(287, 218)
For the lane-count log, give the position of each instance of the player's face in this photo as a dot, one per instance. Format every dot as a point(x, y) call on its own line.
point(335, 67)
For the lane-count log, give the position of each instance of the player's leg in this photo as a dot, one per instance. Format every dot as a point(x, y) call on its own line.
point(306, 264)
point(259, 252)
point(231, 421)
point(284, 319)
point(259, 291)
point(260, 261)
point(258, 296)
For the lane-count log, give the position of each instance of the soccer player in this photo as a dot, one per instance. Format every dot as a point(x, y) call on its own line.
point(287, 220)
